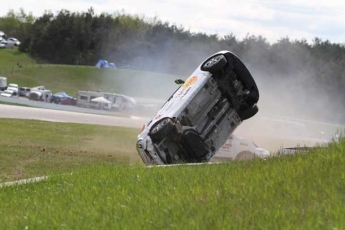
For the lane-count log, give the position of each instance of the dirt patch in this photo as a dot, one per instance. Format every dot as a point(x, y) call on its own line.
point(30, 160)
point(87, 139)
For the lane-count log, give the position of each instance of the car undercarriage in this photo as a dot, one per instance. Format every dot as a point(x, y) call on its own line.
point(226, 96)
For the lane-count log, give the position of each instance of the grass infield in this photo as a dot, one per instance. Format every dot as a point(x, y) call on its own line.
point(110, 189)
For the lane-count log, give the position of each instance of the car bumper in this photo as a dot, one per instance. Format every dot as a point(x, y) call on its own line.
point(147, 152)
point(261, 153)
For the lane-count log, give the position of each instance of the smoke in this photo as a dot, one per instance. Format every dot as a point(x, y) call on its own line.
point(294, 105)
point(295, 108)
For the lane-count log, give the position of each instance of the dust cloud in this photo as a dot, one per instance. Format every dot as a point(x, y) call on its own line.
point(294, 109)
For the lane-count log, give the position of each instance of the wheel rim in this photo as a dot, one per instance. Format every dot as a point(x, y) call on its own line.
point(212, 61)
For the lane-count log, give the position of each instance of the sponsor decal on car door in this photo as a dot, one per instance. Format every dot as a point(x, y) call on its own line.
point(186, 87)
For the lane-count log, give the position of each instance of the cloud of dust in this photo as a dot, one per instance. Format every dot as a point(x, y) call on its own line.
point(294, 108)
point(288, 101)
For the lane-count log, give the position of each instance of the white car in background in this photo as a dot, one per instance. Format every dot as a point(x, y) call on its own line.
point(14, 88)
point(3, 42)
point(201, 115)
point(15, 41)
point(7, 93)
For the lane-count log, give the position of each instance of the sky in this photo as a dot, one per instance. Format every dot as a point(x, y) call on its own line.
point(296, 19)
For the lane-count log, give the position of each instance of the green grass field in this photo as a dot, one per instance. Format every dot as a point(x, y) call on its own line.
point(37, 148)
point(10, 57)
point(109, 187)
point(97, 180)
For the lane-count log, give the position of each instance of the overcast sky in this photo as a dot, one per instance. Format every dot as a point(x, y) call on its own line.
point(296, 19)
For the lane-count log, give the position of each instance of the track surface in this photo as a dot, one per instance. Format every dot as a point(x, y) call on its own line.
point(20, 112)
point(250, 129)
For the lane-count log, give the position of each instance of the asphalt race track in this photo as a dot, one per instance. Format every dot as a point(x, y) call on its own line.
point(253, 129)
point(20, 112)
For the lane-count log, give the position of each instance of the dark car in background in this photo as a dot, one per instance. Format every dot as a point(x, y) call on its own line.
point(63, 98)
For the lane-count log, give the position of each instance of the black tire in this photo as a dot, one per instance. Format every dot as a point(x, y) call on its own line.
point(214, 64)
point(252, 100)
point(163, 132)
point(248, 113)
point(245, 77)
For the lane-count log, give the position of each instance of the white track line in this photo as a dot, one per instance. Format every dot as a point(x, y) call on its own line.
point(24, 181)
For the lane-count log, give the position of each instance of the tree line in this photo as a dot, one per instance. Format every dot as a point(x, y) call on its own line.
point(318, 67)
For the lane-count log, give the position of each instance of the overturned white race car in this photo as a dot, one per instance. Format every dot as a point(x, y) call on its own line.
point(201, 115)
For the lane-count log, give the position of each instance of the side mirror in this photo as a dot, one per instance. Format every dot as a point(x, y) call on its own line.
point(179, 81)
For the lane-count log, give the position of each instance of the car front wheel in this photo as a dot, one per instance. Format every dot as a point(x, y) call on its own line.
point(214, 63)
point(161, 130)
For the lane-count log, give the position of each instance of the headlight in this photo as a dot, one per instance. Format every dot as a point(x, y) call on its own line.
point(160, 126)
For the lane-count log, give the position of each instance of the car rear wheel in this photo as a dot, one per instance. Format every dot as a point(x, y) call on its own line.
point(214, 63)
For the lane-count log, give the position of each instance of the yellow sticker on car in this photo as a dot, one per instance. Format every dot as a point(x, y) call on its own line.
point(190, 81)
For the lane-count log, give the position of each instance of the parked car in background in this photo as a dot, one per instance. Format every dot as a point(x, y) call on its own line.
point(6, 43)
point(15, 41)
point(3, 35)
point(7, 93)
point(40, 95)
point(14, 88)
point(23, 91)
point(63, 98)
point(3, 42)
point(110, 101)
